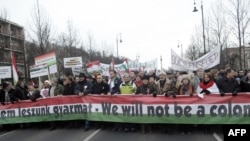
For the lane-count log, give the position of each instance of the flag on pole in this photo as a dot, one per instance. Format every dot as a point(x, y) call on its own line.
point(125, 65)
point(14, 68)
point(112, 65)
point(93, 67)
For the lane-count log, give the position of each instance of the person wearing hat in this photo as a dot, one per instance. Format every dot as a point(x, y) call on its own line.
point(185, 88)
point(45, 89)
point(164, 84)
point(83, 87)
point(145, 89)
point(152, 84)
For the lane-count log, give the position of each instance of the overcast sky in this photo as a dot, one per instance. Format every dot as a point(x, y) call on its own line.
point(149, 28)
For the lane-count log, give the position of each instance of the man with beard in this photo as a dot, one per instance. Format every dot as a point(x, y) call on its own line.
point(163, 84)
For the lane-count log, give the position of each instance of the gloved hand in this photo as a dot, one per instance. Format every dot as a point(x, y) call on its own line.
point(222, 94)
point(166, 95)
point(154, 95)
point(234, 93)
point(174, 95)
point(207, 92)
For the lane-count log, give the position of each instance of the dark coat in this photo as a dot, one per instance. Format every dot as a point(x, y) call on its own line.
point(84, 87)
point(21, 93)
point(69, 89)
point(244, 85)
point(12, 96)
point(146, 89)
point(116, 88)
point(99, 88)
point(226, 86)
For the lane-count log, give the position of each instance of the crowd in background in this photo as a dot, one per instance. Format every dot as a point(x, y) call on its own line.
point(222, 81)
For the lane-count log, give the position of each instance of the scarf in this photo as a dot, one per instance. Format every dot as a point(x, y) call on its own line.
point(186, 88)
point(206, 85)
point(162, 82)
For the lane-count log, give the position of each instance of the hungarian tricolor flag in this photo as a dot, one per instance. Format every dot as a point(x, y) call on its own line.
point(125, 65)
point(14, 68)
point(112, 65)
point(94, 66)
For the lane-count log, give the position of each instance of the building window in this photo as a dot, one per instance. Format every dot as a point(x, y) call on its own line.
point(13, 32)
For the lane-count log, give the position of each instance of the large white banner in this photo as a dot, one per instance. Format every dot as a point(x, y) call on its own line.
point(150, 65)
point(207, 61)
point(72, 62)
point(5, 72)
point(134, 64)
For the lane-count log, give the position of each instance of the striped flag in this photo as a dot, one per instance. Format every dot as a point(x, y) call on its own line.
point(14, 68)
point(112, 65)
point(125, 65)
point(93, 67)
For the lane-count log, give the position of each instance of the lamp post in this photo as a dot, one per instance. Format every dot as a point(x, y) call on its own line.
point(137, 60)
point(118, 40)
point(161, 61)
point(203, 28)
point(180, 45)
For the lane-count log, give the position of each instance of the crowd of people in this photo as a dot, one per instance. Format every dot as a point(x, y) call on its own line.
point(222, 81)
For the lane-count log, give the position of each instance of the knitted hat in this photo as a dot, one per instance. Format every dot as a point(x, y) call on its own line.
point(185, 77)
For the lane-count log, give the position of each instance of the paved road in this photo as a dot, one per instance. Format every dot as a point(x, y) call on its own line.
point(36, 134)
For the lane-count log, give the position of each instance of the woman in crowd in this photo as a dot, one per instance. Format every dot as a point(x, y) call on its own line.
point(207, 86)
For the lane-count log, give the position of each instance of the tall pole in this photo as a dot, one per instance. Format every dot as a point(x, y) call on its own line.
point(117, 46)
point(180, 44)
point(203, 28)
point(161, 61)
point(118, 39)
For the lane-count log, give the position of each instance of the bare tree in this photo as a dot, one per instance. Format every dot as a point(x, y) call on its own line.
point(192, 53)
point(90, 42)
point(40, 28)
point(196, 43)
point(72, 38)
point(220, 30)
point(239, 12)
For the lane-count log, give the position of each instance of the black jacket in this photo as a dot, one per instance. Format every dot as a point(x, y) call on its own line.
point(21, 93)
point(84, 87)
point(69, 89)
point(226, 86)
point(116, 88)
point(244, 85)
point(12, 96)
point(99, 88)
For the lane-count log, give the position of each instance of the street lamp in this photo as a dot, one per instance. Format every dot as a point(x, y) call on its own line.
point(161, 61)
point(203, 28)
point(180, 44)
point(118, 39)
